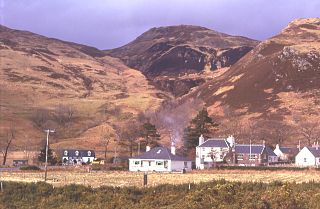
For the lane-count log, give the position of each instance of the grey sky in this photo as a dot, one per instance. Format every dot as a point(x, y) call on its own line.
point(108, 24)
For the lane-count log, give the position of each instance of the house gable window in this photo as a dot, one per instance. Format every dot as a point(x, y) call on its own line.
point(252, 156)
point(137, 162)
point(160, 163)
point(240, 157)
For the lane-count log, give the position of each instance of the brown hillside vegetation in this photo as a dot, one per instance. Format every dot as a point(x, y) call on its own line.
point(48, 83)
point(168, 55)
point(274, 87)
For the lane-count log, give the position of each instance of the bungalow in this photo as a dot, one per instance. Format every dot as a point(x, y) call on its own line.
point(286, 154)
point(212, 151)
point(254, 155)
point(74, 157)
point(159, 159)
point(308, 157)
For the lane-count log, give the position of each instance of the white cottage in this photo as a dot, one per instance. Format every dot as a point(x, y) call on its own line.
point(212, 150)
point(159, 159)
point(308, 157)
point(286, 154)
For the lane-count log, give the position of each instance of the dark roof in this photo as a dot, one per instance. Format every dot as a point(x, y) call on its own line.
point(216, 142)
point(160, 153)
point(81, 153)
point(245, 148)
point(289, 150)
point(270, 151)
point(314, 151)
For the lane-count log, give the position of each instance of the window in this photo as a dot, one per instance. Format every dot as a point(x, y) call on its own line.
point(159, 162)
point(240, 157)
point(305, 160)
point(166, 164)
point(221, 149)
point(149, 163)
point(252, 156)
point(186, 164)
point(89, 153)
point(76, 153)
point(136, 162)
point(221, 156)
point(65, 153)
point(203, 149)
point(270, 159)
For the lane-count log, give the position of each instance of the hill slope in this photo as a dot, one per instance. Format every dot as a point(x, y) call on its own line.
point(277, 80)
point(167, 55)
point(71, 87)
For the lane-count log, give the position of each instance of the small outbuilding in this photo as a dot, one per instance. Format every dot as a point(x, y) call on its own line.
point(286, 154)
point(159, 159)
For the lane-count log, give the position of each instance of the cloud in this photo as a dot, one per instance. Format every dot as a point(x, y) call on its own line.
point(108, 24)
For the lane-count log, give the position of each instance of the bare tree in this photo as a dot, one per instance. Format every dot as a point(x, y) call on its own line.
point(8, 138)
point(63, 114)
point(40, 117)
point(309, 130)
point(128, 134)
point(106, 135)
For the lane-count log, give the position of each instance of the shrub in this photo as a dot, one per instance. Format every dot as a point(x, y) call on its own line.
point(30, 168)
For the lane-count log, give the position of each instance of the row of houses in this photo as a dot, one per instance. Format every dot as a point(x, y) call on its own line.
point(214, 151)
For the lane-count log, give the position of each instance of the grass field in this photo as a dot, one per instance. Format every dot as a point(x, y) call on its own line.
point(124, 178)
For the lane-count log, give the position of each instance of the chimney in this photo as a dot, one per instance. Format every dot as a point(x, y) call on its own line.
point(201, 140)
point(299, 146)
point(277, 146)
point(173, 148)
point(147, 148)
point(231, 141)
point(264, 143)
point(317, 145)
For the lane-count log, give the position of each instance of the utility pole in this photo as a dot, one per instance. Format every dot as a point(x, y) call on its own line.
point(47, 146)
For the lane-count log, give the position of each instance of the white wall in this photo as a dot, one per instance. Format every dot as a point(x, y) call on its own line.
point(203, 154)
point(180, 165)
point(305, 158)
point(145, 166)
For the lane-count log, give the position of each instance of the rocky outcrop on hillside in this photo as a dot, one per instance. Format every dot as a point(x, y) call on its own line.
point(181, 50)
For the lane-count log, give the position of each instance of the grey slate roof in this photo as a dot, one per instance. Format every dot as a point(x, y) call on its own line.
point(160, 153)
point(270, 152)
point(314, 151)
point(245, 148)
point(289, 150)
point(215, 142)
point(82, 153)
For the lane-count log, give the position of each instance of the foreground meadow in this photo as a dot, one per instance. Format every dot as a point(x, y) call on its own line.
point(124, 178)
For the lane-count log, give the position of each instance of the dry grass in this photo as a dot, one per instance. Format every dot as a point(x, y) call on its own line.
point(124, 178)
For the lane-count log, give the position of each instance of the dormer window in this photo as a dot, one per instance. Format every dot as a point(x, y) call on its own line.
point(158, 152)
point(77, 153)
point(89, 153)
point(65, 153)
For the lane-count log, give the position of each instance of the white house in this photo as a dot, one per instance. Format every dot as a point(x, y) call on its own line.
point(159, 159)
point(212, 150)
point(73, 157)
point(286, 154)
point(308, 157)
point(220, 150)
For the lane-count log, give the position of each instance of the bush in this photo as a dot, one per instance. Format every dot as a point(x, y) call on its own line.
point(30, 168)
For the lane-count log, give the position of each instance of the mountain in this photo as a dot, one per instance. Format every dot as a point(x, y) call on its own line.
point(76, 89)
point(169, 55)
point(279, 80)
